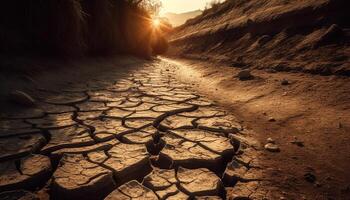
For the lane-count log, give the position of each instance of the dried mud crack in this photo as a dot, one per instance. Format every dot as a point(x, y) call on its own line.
point(145, 136)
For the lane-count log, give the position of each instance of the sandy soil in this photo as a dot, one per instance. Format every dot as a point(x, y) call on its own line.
point(312, 110)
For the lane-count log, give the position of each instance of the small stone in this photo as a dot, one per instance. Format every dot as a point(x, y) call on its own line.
point(271, 119)
point(298, 143)
point(272, 147)
point(310, 177)
point(340, 125)
point(22, 98)
point(270, 140)
point(284, 82)
point(245, 75)
point(318, 184)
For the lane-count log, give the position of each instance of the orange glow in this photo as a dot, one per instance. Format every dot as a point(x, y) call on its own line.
point(156, 23)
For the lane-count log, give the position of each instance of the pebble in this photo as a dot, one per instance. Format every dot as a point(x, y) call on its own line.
point(298, 143)
point(271, 119)
point(284, 82)
point(245, 75)
point(22, 98)
point(310, 177)
point(272, 147)
point(270, 140)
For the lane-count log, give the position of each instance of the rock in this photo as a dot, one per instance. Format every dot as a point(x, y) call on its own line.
point(272, 147)
point(310, 177)
point(340, 125)
point(284, 82)
point(22, 98)
point(132, 191)
point(271, 119)
point(270, 140)
point(245, 75)
point(298, 143)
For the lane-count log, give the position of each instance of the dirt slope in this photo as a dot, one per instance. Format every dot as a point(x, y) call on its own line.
point(311, 36)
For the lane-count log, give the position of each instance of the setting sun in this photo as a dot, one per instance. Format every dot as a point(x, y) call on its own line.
point(156, 23)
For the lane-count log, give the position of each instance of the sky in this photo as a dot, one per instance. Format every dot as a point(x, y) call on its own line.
point(181, 6)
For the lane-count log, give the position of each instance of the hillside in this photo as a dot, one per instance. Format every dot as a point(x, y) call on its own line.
point(178, 19)
point(310, 36)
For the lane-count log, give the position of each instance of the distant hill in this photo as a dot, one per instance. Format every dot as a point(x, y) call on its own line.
point(179, 19)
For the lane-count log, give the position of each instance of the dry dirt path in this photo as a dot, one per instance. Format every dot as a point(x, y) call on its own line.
point(143, 136)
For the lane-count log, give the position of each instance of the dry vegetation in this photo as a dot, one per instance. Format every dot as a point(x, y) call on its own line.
point(75, 28)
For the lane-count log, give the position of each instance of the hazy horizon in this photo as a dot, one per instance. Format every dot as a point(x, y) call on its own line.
point(182, 6)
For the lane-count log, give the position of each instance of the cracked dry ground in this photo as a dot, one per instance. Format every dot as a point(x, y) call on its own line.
point(145, 136)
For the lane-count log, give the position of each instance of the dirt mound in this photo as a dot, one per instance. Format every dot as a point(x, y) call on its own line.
point(309, 36)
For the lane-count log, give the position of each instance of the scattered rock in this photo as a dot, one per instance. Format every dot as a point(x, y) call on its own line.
point(22, 98)
point(245, 75)
point(238, 62)
point(340, 125)
point(310, 177)
point(271, 119)
point(297, 142)
point(272, 147)
point(284, 82)
point(270, 140)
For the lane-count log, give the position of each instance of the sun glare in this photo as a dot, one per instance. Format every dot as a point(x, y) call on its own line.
point(156, 23)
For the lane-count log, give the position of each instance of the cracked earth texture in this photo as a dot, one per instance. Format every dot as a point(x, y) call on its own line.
point(145, 136)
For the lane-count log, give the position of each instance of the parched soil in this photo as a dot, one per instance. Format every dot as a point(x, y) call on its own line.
point(167, 129)
point(138, 135)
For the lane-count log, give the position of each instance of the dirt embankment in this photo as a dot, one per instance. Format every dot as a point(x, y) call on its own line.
point(309, 36)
